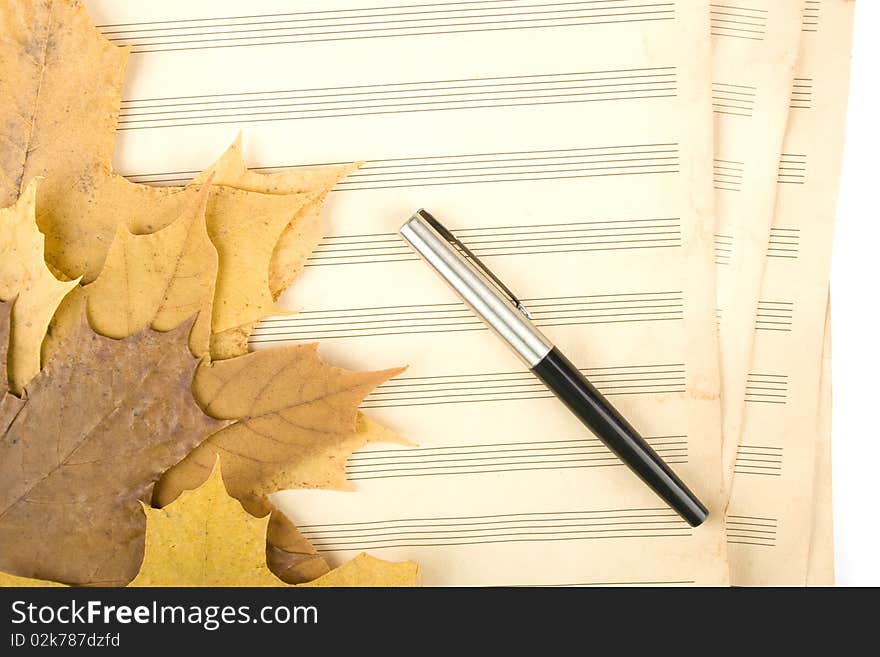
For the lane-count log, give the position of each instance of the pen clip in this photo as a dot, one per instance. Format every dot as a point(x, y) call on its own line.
point(468, 254)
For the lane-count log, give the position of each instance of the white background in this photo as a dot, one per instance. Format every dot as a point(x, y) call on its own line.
point(854, 301)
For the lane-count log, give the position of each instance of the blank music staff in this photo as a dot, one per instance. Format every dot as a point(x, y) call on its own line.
point(792, 169)
point(728, 175)
point(657, 522)
point(762, 460)
point(812, 15)
point(785, 243)
point(455, 460)
point(349, 323)
point(738, 20)
point(573, 237)
point(473, 168)
point(767, 388)
point(752, 530)
point(399, 98)
point(775, 316)
point(403, 391)
point(723, 249)
point(802, 94)
point(381, 22)
point(734, 99)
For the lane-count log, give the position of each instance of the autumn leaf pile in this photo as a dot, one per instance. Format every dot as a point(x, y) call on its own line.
point(125, 311)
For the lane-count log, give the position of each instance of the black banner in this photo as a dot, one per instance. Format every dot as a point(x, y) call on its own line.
point(133, 621)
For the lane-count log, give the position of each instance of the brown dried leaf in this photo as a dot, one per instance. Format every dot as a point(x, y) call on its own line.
point(289, 554)
point(98, 426)
point(291, 409)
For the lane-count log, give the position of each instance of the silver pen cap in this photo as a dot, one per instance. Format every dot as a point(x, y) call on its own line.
point(477, 286)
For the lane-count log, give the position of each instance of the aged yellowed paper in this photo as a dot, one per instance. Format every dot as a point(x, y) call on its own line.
point(820, 561)
point(753, 72)
point(571, 147)
point(770, 516)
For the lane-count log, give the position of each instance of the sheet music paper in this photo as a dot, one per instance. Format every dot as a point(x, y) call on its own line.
point(820, 561)
point(571, 146)
point(755, 46)
point(771, 508)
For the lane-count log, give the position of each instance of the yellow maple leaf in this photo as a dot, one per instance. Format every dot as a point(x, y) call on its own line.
point(63, 81)
point(25, 277)
point(205, 538)
point(159, 280)
point(61, 125)
point(296, 242)
point(13, 581)
point(304, 231)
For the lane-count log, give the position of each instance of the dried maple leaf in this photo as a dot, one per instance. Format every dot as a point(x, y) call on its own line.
point(61, 81)
point(291, 410)
point(290, 555)
point(304, 231)
point(160, 280)
point(205, 538)
point(96, 428)
point(365, 570)
point(297, 422)
point(63, 129)
point(25, 277)
point(296, 242)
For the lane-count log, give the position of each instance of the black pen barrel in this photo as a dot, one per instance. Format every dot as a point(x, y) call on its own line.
point(597, 413)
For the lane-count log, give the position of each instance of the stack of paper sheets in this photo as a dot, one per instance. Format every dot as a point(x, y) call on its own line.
point(656, 180)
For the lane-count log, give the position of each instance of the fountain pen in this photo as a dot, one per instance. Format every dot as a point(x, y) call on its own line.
point(504, 314)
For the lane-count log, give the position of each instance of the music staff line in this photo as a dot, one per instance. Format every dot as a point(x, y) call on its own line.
point(739, 99)
point(472, 168)
point(346, 323)
point(738, 21)
point(728, 175)
point(811, 15)
point(734, 99)
point(775, 316)
point(759, 460)
point(501, 528)
point(573, 237)
point(399, 98)
point(762, 388)
point(792, 169)
point(647, 379)
point(751, 530)
point(784, 244)
point(802, 94)
point(378, 22)
point(454, 460)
